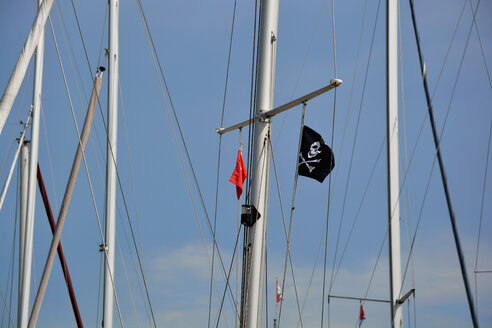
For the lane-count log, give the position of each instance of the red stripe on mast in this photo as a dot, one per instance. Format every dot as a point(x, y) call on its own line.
point(61, 255)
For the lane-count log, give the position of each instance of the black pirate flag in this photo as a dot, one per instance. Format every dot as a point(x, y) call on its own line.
point(316, 159)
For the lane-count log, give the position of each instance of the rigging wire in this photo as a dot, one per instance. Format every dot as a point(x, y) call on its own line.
point(438, 154)
point(309, 47)
point(4, 301)
point(449, 50)
point(238, 264)
point(77, 75)
point(92, 141)
point(99, 291)
point(12, 264)
point(248, 247)
point(284, 118)
point(409, 217)
point(134, 266)
point(118, 178)
point(266, 284)
point(352, 88)
point(418, 223)
point(98, 164)
point(132, 175)
point(355, 140)
point(106, 15)
point(406, 173)
point(370, 178)
point(342, 142)
point(481, 214)
point(375, 267)
point(480, 42)
point(435, 157)
point(140, 263)
point(379, 152)
point(312, 274)
point(263, 155)
point(228, 275)
point(16, 156)
point(330, 178)
point(75, 69)
point(82, 40)
point(2, 199)
point(291, 217)
point(359, 208)
point(83, 157)
point(90, 66)
point(412, 156)
point(123, 264)
point(140, 252)
point(252, 96)
point(426, 114)
point(334, 40)
point(17, 218)
point(105, 128)
point(10, 279)
point(50, 162)
point(425, 118)
point(11, 137)
point(218, 159)
point(190, 193)
point(157, 63)
point(286, 237)
point(326, 233)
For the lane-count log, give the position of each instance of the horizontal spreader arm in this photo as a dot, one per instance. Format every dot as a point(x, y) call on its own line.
point(333, 84)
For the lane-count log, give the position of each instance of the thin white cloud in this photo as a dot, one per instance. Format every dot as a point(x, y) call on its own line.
point(440, 296)
point(187, 262)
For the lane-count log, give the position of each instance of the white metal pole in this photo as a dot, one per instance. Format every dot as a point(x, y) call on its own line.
point(14, 162)
point(79, 154)
point(392, 160)
point(112, 121)
point(261, 158)
point(33, 164)
point(22, 221)
point(36, 34)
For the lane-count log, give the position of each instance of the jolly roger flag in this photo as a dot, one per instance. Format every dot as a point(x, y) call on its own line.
point(316, 159)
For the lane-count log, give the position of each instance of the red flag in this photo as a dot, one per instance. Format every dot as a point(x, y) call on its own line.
point(279, 293)
point(239, 174)
point(362, 316)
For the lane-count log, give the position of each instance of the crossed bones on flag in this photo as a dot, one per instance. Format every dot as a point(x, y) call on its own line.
point(316, 156)
point(303, 161)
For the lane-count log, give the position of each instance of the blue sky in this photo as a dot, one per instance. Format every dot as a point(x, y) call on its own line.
point(192, 39)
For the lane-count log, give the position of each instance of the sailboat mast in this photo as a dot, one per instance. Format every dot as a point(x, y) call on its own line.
point(24, 173)
point(36, 34)
point(392, 160)
point(261, 162)
point(31, 184)
point(112, 130)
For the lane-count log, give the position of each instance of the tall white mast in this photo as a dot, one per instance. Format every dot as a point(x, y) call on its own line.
point(31, 194)
point(36, 35)
point(392, 160)
point(112, 121)
point(24, 173)
point(261, 158)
